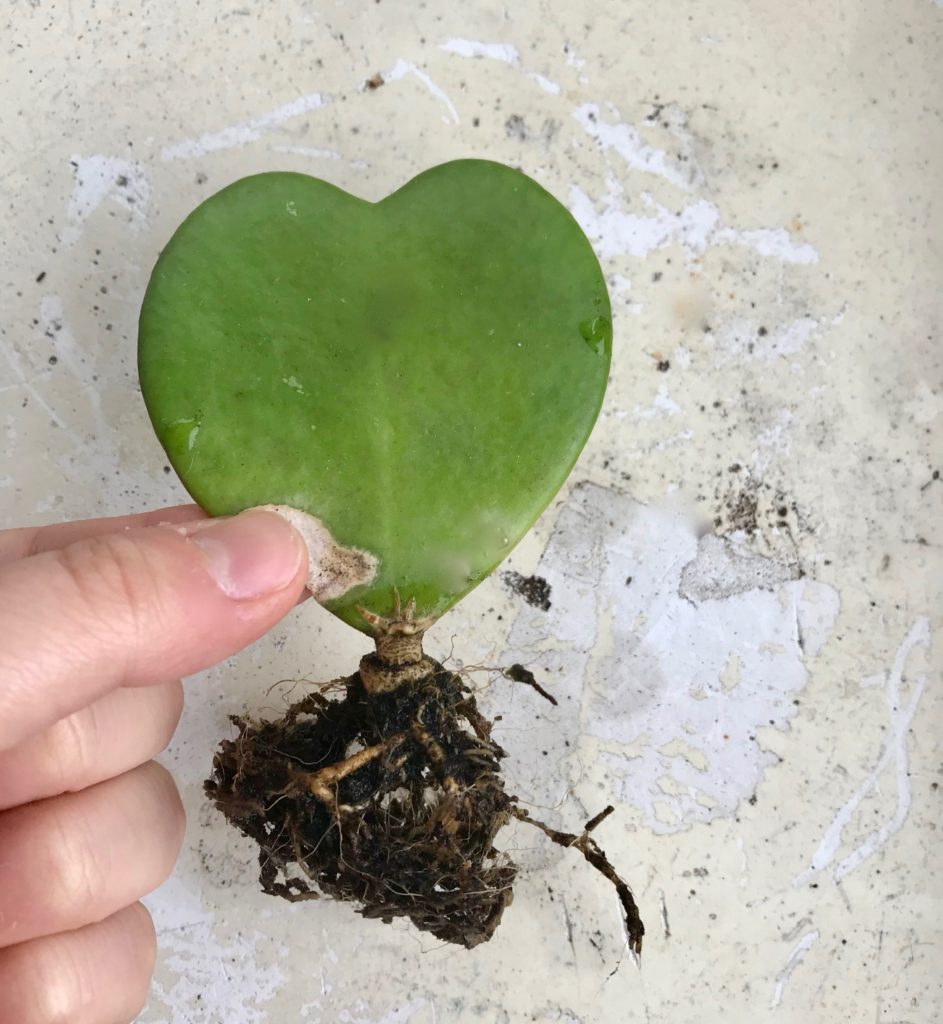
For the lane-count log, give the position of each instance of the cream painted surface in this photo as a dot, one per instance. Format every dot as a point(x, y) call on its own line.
point(744, 630)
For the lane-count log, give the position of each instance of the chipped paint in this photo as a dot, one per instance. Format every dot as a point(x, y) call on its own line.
point(723, 568)
point(795, 958)
point(547, 84)
point(625, 139)
point(99, 178)
point(503, 52)
point(493, 51)
point(646, 659)
point(695, 227)
point(902, 704)
point(199, 982)
point(402, 68)
point(311, 152)
point(236, 135)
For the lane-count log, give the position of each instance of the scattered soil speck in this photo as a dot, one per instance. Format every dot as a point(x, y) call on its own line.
point(515, 128)
point(534, 589)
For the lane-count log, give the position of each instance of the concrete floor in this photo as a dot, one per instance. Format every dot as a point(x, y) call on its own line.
point(762, 700)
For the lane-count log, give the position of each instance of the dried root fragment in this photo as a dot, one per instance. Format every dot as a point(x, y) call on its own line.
point(390, 797)
point(591, 851)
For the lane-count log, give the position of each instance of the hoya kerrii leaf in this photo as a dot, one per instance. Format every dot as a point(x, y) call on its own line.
point(419, 374)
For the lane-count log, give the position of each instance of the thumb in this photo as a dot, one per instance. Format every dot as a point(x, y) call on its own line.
point(135, 608)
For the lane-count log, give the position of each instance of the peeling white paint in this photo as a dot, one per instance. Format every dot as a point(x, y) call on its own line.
point(645, 665)
point(723, 568)
point(795, 958)
point(739, 338)
point(401, 1015)
point(547, 84)
point(626, 140)
point(503, 52)
point(493, 51)
point(901, 710)
point(925, 405)
point(402, 68)
point(816, 614)
point(662, 405)
point(777, 243)
point(236, 135)
point(205, 989)
point(696, 227)
point(100, 177)
point(313, 152)
point(572, 57)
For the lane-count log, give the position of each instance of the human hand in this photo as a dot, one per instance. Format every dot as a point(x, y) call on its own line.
point(97, 621)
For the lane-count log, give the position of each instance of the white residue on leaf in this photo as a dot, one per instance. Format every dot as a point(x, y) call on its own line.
point(293, 382)
point(242, 134)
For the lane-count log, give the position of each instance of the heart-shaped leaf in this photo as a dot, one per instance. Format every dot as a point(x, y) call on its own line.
point(420, 374)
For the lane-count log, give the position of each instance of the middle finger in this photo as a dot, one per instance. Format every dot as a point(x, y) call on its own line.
point(77, 858)
point(108, 737)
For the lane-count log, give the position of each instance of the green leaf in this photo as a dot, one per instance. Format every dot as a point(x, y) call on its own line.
point(419, 373)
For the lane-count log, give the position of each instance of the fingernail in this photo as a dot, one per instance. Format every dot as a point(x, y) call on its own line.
point(250, 555)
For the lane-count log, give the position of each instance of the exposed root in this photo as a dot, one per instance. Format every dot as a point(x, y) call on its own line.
point(388, 797)
point(519, 674)
point(591, 851)
point(404, 825)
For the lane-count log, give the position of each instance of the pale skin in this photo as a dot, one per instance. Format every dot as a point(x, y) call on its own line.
point(98, 622)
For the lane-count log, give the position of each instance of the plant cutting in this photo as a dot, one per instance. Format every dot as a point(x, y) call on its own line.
point(410, 382)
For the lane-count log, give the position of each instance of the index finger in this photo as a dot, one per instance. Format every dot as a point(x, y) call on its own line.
point(137, 607)
point(24, 541)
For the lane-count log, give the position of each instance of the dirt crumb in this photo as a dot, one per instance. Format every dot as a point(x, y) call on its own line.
point(534, 589)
